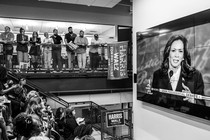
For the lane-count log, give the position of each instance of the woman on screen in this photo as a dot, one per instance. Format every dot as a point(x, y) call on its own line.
point(177, 74)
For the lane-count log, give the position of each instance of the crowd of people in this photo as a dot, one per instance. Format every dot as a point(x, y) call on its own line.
point(25, 115)
point(46, 53)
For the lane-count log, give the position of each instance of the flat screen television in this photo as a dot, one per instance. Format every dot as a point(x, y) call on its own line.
point(173, 65)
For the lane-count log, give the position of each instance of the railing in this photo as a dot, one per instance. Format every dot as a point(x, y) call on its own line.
point(96, 114)
point(31, 86)
point(102, 67)
point(117, 132)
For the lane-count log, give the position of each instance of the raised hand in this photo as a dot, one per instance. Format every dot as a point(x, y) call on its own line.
point(187, 90)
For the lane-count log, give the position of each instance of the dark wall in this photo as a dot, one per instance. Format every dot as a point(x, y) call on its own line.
point(82, 85)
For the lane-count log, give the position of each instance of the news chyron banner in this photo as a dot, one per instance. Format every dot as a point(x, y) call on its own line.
point(116, 118)
point(117, 60)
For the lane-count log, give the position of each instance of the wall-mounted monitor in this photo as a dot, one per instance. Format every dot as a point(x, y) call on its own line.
point(173, 65)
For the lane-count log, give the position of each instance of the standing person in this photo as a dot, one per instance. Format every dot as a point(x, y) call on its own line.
point(177, 74)
point(82, 42)
point(94, 56)
point(56, 51)
point(18, 98)
point(7, 39)
point(70, 124)
point(35, 50)
point(59, 119)
point(47, 50)
point(70, 37)
point(22, 46)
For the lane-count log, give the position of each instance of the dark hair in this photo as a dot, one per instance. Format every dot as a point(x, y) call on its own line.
point(58, 112)
point(7, 27)
point(70, 27)
point(55, 30)
point(21, 29)
point(35, 33)
point(187, 70)
point(69, 112)
point(25, 126)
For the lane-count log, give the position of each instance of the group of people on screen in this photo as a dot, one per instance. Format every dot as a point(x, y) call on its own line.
point(50, 48)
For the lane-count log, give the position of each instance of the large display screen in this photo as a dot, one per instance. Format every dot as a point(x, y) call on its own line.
point(173, 65)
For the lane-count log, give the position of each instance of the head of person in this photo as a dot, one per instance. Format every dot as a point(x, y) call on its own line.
point(70, 30)
point(46, 34)
point(35, 34)
point(59, 112)
point(32, 93)
point(80, 121)
point(176, 55)
point(22, 31)
point(22, 81)
point(7, 29)
point(96, 36)
point(27, 125)
point(81, 33)
point(35, 106)
point(55, 31)
point(70, 112)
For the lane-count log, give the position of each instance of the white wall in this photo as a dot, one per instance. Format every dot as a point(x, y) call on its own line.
point(155, 123)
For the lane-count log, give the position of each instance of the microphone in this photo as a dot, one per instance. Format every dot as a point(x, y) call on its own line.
point(171, 73)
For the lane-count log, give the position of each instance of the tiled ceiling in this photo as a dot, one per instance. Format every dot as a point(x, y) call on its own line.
point(97, 3)
point(48, 26)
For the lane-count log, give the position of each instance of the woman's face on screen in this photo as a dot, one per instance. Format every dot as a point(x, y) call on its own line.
point(176, 54)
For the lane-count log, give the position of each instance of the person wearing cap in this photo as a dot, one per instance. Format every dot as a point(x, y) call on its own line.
point(80, 121)
point(94, 56)
point(82, 42)
point(7, 39)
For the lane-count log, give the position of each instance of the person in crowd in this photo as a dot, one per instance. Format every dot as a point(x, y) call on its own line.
point(28, 126)
point(32, 93)
point(59, 119)
point(6, 120)
point(82, 42)
point(3, 80)
point(3, 131)
point(22, 47)
point(70, 124)
point(80, 120)
point(35, 50)
point(94, 55)
point(17, 97)
point(47, 50)
point(56, 51)
point(7, 38)
point(177, 74)
point(70, 37)
point(83, 132)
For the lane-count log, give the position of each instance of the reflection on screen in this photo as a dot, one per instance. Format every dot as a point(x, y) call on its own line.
point(180, 79)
